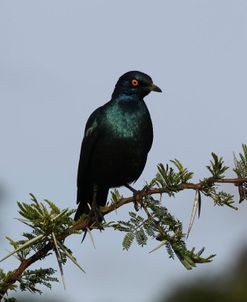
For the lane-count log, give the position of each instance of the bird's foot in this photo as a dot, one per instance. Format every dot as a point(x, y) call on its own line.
point(138, 197)
point(96, 216)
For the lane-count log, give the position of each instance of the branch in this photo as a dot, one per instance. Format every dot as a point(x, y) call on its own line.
point(162, 223)
point(87, 223)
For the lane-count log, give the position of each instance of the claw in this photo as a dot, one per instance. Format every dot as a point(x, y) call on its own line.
point(97, 217)
point(95, 213)
point(137, 197)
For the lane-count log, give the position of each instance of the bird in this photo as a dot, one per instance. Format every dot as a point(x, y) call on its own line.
point(116, 142)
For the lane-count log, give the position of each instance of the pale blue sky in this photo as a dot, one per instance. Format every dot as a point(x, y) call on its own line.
point(59, 60)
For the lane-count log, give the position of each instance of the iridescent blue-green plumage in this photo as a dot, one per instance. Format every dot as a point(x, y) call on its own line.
point(117, 139)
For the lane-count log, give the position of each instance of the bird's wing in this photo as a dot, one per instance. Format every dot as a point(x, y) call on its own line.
point(91, 135)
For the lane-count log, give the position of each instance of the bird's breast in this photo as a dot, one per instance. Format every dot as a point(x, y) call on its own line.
point(129, 123)
point(122, 147)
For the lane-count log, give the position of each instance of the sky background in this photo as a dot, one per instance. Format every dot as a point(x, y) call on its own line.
point(59, 60)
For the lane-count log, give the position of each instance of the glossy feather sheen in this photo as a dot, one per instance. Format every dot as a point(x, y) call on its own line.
point(127, 116)
point(117, 139)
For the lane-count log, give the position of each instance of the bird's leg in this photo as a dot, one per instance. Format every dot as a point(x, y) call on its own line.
point(137, 197)
point(95, 211)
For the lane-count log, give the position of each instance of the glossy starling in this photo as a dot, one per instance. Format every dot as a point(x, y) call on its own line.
point(117, 139)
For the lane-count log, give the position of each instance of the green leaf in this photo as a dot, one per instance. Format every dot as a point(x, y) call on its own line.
point(216, 167)
point(127, 241)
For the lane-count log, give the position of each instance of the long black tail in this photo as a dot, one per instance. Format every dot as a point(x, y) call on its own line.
point(85, 198)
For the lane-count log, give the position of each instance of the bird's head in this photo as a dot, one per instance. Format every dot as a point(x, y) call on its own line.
point(135, 83)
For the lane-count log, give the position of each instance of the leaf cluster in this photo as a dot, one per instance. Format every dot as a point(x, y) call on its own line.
point(29, 281)
point(170, 178)
point(48, 224)
point(159, 224)
point(31, 278)
point(216, 167)
point(136, 228)
point(209, 187)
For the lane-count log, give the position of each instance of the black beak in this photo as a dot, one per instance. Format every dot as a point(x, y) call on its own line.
point(153, 87)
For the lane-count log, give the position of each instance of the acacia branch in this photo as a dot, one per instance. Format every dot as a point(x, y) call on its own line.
point(87, 222)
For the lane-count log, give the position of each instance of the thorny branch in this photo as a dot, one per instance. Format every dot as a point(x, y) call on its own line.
point(87, 222)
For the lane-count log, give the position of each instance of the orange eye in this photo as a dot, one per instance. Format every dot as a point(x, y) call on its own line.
point(135, 82)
